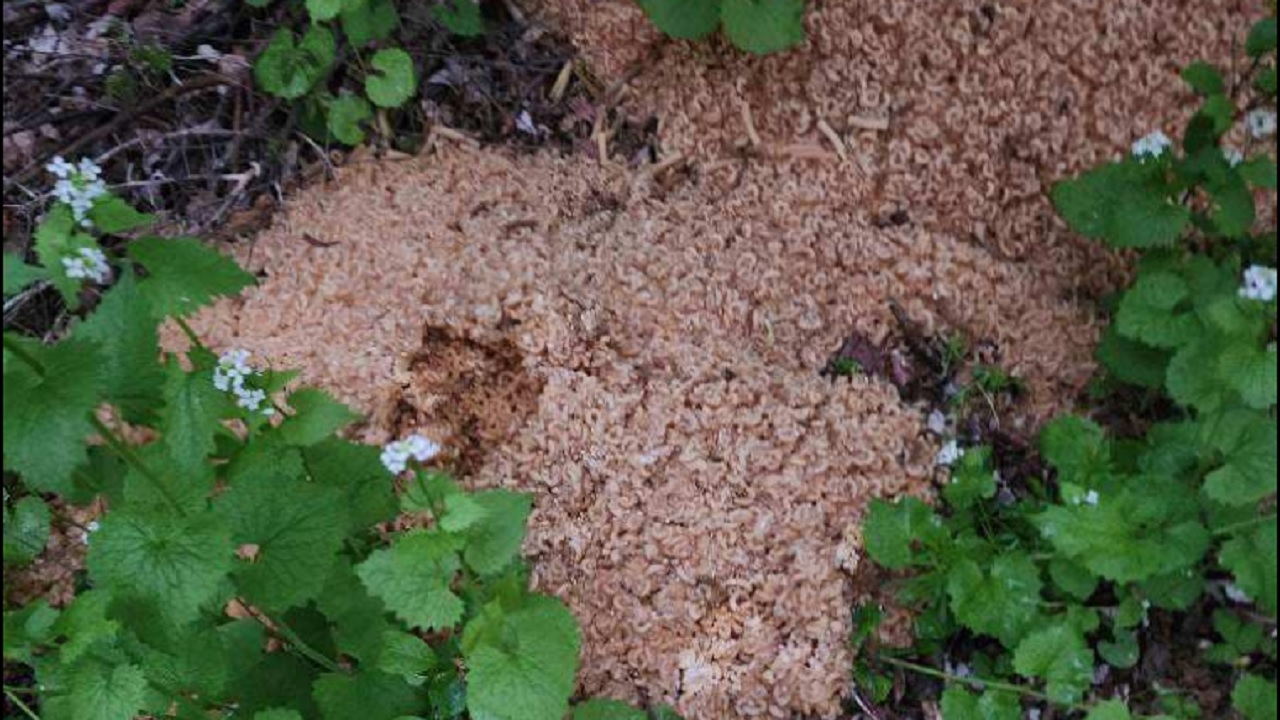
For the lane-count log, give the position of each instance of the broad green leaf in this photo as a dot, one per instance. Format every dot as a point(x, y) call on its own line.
point(684, 19)
point(600, 709)
point(27, 628)
point(413, 577)
point(522, 662)
point(1262, 38)
point(972, 480)
point(278, 714)
point(347, 113)
point(1234, 208)
point(369, 21)
point(1123, 652)
point(275, 681)
point(1252, 558)
point(192, 416)
point(1133, 362)
point(763, 26)
point(1204, 78)
point(318, 416)
point(84, 623)
point(1260, 172)
point(460, 17)
point(290, 68)
point(494, 541)
point(355, 471)
point(18, 274)
point(296, 530)
point(360, 621)
point(129, 346)
point(57, 238)
point(1077, 448)
point(1255, 696)
point(184, 275)
point(26, 530)
point(1248, 474)
point(406, 655)
point(1150, 312)
point(1192, 382)
point(47, 414)
point(177, 563)
point(893, 531)
point(462, 512)
point(367, 695)
point(1060, 656)
point(96, 691)
point(1217, 115)
point(1250, 370)
point(1073, 579)
point(1120, 204)
point(324, 10)
point(112, 215)
point(959, 704)
point(1110, 710)
point(395, 80)
point(1002, 601)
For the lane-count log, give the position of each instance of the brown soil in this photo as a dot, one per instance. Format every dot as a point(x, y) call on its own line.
point(643, 349)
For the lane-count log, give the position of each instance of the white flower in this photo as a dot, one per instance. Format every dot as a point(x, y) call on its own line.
point(1261, 123)
point(89, 170)
point(60, 168)
point(1092, 498)
point(90, 529)
point(950, 454)
point(232, 375)
point(78, 186)
point(1152, 146)
point(1237, 595)
point(1260, 284)
point(90, 264)
point(937, 422)
point(396, 455)
point(525, 123)
point(1234, 156)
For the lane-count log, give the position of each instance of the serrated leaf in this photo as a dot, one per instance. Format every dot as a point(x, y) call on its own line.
point(1150, 312)
point(1123, 652)
point(355, 471)
point(96, 691)
point(47, 415)
point(184, 275)
point(684, 19)
point(972, 480)
point(1255, 696)
point(1248, 474)
point(1251, 557)
point(360, 621)
point(347, 113)
point(1060, 656)
point(125, 332)
point(1262, 38)
point(112, 215)
point(522, 662)
point(1234, 208)
point(192, 415)
point(958, 704)
point(893, 531)
point(395, 80)
point(414, 577)
point(278, 714)
point(601, 709)
point(1110, 710)
point(296, 530)
point(494, 540)
point(763, 26)
point(318, 416)
point(1260, 172)
point(1120, 203)
point(460, 17)
point(1190, 382)
point(18, 274)
point(324, 10)
point(26, 530)
point(27, 628)
point(406, 655)
point(58, 237)
point(1133, 362)
point(370, 21)
point(84, 623)
point(1077, 448)
point(1250, 370)
point(367, 694)
point(1073, 579)
point(276, 680)
point(1204, 78)
point(1002, 601)
point(290, 68)
point(177, 563)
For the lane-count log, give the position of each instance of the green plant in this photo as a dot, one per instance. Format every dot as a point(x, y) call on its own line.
point(757, 26)
point(1066, 575)
point(245, 567)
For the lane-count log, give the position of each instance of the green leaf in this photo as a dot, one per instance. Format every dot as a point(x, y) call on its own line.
point(27, 628)
point(26, 530)
point(1077, 448)
point(1192, 382)
point(1002, 601)
point(185, 275)
point(1060, 656)
point(1149, 312)
point(1205, 79)
point(297, 529)
point(959, 704)
point(1234, 209)
point(58, 237)
point(1121, 204)
point(317, 418)
point(1262, 38)
point(1259, 172)
point(347, 113)
point(395, 80)
point(177, 563)
point(324, 10)
point(684, 19)
point(96, 691)
point(1110, 710)
point(360, 621)
point(47, 416)
point(1123, 652)
point(1254, 696)
point(355, 471)
point(278, 714)
point(1133, 362)
point(18, 274)
point(460, 17)
point(1248, 474)
point(522, 663)
point(764, 26)
point(892, 531)
point(1073, 579)
point(85, 623)
point(289, 68)
point(366, 695)
point(1250, 370)
point(599, 709)
point(494, 541)
point(413, 577)
point(1251, 557)
point(112, 215)
point(1218, 114)
point(370, 21)
point(192, 416)
point(972, 480)
point(125, 333)
point(406, 655)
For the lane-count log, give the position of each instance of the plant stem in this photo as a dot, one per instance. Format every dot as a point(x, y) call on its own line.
point(126, 453)
point(189, 332)
point(1246, 525)
point(20, 705)
point(292, 637)
point(975, 683)
point(12, 345)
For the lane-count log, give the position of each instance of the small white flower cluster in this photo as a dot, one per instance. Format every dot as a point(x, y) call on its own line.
point(89, 264)
point(396, 455)
point(232, 375)
point(1152, 146)
point(79, 186)
point(1261, 284)
point(90, 529)
point(950, 454)
point(1091, 498)
point(1261, 123)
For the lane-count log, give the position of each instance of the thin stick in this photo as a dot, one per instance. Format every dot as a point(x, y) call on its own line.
point(976, 683)
point(20, 705)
